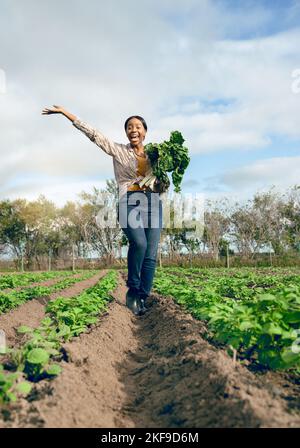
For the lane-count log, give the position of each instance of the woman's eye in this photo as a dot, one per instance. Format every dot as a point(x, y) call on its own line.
point(138, 127)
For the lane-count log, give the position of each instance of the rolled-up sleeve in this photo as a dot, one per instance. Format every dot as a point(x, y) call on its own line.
point(111, 148)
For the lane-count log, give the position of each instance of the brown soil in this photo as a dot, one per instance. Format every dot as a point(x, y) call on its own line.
point(284, 384)
point(153, 371)
point(32, 312)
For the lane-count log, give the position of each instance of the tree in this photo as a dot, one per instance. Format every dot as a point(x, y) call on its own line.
point(216, 225)
point(12, 227)
point(291, 214)
point(268, 214)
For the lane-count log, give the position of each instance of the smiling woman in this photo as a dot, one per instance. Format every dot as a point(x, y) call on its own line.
point(142, 222)
point(136, 128)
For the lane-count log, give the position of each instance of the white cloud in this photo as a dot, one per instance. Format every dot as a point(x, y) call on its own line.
point(258, 74)
point(281, 171)
point(106, 61)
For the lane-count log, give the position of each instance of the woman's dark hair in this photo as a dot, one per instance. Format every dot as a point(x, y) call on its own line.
point(139, 118)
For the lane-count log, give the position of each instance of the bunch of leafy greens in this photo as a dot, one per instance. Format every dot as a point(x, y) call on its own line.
point(168, 156)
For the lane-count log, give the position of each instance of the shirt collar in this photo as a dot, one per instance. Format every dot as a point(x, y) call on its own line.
point(132, 150)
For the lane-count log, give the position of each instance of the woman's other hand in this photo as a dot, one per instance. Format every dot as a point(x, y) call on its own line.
point(160, 186)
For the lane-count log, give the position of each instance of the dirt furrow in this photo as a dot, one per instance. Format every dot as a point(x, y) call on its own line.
point(154, 371)
point(186, 382)
point(32, 312)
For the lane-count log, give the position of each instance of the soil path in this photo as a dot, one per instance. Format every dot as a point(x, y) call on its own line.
point(153, 371)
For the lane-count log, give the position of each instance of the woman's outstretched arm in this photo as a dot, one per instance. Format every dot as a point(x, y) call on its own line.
point(111, 148)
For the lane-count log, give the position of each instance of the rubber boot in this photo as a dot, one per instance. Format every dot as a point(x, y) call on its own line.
point(132, 301)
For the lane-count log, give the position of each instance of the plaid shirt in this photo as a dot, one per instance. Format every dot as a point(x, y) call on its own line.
point(124, 159)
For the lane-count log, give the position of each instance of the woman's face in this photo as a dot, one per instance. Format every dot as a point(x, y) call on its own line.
point(135, 131)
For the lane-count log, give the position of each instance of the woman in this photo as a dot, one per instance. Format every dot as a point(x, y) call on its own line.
point(139, 208)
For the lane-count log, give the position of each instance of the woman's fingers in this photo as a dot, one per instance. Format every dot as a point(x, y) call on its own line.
point(51, 110)
point(47, 111)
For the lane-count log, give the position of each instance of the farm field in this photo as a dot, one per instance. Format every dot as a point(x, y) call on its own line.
point(217, 348)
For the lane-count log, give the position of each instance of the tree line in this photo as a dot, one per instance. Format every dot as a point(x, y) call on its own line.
point(31, 231)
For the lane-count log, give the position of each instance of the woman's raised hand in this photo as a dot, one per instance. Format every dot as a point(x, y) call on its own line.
point(53, 110)
point(59, 110)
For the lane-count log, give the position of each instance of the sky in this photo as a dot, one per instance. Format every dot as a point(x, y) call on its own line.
point(225, 73)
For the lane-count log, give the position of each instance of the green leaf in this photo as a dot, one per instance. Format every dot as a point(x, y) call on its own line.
point(38, 356)
point(267, 297)
point(54, 369)
point(11, 396)
point(272, 328)
point(24, 329)
point(292, 317)
point(245, 325)
point(290, 358)
point(24, 387)
point(2, 378)
point(266, 357)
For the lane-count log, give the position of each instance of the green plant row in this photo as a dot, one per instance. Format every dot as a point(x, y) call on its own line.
point(39, 356)
point(243, 286)
point(14, 299)
point(243, 272)
point(15, 280)
point(263, 326)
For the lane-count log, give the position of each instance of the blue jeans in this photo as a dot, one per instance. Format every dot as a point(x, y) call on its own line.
point(140, 217)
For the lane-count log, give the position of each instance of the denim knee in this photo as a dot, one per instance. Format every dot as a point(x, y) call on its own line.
point(139, 244)
point(151, 255)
